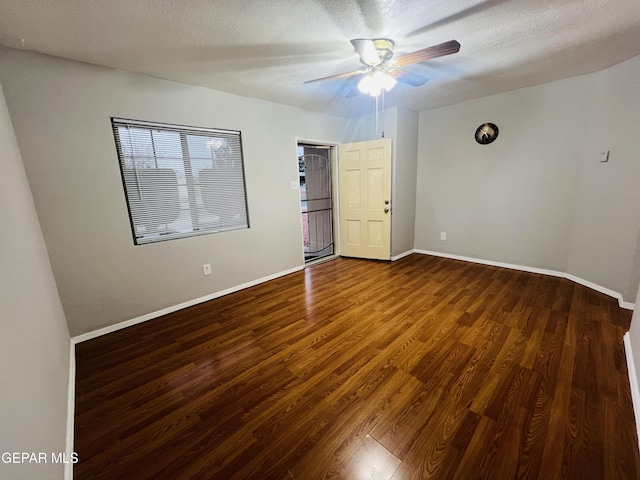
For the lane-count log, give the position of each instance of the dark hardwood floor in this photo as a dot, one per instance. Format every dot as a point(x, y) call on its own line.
point(422, 368)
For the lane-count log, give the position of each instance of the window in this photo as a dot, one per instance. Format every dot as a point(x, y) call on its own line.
point(180, 181)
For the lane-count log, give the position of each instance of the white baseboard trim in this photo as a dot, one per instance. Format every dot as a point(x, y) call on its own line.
point(523, 268)
point(543, 271)
point(598, 288)
point(402, 255)
point(626, 305)
point(633, 382)
point(150, 316)
point(71, 410)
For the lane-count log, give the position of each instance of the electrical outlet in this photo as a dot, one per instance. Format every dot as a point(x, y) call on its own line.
point(206, 269)
point(443, 235)
point(294, 185)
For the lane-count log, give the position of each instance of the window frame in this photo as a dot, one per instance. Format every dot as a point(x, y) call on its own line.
point(183, 131)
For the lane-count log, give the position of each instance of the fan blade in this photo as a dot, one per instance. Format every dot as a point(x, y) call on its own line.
point(446, 48)
point(334, 77)
point(409, 78)
point(351, 87)
point(367, 51)
point(353, 92)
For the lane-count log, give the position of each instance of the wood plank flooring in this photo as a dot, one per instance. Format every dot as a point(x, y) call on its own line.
point(352, 369)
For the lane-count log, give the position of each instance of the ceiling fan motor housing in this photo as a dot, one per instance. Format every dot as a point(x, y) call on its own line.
point(384, 47)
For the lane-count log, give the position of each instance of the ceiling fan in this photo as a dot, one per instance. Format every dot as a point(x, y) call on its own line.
point(381, 69)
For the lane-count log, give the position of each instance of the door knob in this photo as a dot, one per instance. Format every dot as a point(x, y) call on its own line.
point(386, 202)
point(386, 210)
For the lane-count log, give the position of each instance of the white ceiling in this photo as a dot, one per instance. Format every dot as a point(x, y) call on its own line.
point(268, 48)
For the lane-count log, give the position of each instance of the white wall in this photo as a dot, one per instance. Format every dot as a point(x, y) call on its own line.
point(538, 195)
point(34, 340)
point(404, 181)
point(613, 193)
point(607, 219)
point(363, 125)
point(61, 111)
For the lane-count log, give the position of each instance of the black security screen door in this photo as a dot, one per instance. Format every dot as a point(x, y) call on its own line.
point(316, 201)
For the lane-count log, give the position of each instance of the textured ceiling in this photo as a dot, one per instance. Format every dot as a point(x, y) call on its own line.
point(268, 48)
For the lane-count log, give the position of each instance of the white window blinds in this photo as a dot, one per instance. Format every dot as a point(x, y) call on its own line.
point(180, 181)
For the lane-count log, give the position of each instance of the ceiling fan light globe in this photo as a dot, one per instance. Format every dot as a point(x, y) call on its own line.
point(365, 84)
point(375, 91)
point(374, 83)
point(388, 82)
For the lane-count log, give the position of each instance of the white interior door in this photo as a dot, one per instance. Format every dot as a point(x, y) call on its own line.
point(365, 199)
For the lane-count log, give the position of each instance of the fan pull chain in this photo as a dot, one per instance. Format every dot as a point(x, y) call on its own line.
point(382, 129)
point(380, 111)
point(376, 115)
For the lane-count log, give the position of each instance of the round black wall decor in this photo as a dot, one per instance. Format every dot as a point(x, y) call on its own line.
point(486, 133)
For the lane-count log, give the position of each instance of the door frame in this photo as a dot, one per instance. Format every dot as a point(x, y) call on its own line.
point(335, 191)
